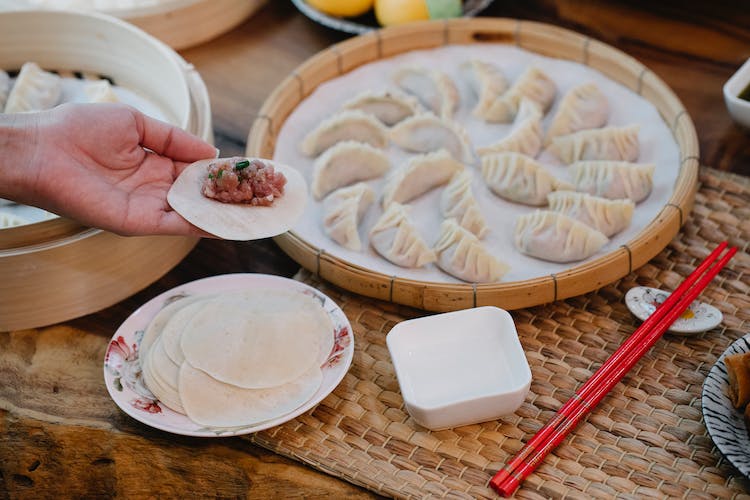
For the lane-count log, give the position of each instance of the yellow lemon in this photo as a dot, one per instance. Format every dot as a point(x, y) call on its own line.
point(392, 12)
point(342, 8)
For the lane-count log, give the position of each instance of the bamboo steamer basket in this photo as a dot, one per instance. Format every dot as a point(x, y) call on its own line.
point(185, 23)
point(543, 39)
point(56, 270)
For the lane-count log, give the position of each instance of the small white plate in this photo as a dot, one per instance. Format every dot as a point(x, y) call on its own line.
point(461, 367)
point(724, 422)
point(698, 317)
point(122, 366)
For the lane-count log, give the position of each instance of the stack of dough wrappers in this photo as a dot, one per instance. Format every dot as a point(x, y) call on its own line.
point(237, 358)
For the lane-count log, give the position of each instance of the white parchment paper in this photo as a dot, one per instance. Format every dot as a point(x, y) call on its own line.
point(656, 142)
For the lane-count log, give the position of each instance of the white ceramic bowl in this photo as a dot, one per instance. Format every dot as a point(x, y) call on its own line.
point(738, 108)
point(461, 367)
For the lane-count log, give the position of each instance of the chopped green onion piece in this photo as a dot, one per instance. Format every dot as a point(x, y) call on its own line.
point(221, 172)
point(242, 164)
point(211, 176)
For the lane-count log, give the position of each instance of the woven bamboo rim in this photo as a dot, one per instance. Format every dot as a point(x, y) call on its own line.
point(541, 38)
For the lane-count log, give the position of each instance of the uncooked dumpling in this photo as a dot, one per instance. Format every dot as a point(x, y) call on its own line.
point(421, 174)
point(434, 89)
point(533, 84)
point(34, 90)
point(519, 178)
point(525, 136)
point(425, 133)
point(608, 216)
point(609, 143)
point(342, 212)
point(397, 239)
point(347, 125)
point(461, 254)
point(613, 179)
point(556, 237)
point(487, 83)
point(388, 107)
point(583, 107)
point(346, 163)
point(100, 91)
point(458, 201)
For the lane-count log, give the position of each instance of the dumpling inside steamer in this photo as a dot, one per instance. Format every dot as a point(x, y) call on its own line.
point(34, 90)
point(239, 198)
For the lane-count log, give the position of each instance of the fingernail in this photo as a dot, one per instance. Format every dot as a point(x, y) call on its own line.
point(217, 153)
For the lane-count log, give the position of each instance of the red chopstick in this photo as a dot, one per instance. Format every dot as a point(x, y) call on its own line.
point(603, 371)
point(608, 375)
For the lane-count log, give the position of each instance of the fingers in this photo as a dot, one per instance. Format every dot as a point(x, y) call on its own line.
point(172, 142)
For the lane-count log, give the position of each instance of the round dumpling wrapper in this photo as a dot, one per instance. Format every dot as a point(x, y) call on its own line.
point(258, 339)
point(173, 329)
point(237, 221)
point(169, 396)
point(210, 402)
point(164, 369)
point(156, 325)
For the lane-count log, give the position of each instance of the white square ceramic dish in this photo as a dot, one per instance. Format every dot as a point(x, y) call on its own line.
point(459, 368)
point(738, 108)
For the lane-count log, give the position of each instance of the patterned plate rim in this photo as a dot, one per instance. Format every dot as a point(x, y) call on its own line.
point(122, 373)
point(724, 423)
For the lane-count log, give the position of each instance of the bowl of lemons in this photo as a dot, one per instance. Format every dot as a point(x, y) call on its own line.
point(361, 16)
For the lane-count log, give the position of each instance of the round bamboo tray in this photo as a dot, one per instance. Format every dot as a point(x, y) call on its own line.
point(543, 39)
point(55, 270)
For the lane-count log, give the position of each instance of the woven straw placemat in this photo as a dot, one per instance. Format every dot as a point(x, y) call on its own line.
point(645, 439)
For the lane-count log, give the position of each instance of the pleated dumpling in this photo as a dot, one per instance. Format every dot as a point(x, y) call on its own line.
point(607, 216)
point(533, 84)
point(342, 211)
point(388, 107)
point(519, 178)
point(486, 82)
point(461, 254)
point(556, 237)
point(613, 179)
point(608, 143)
point(347, 125)
point(99, 91)
point(346, 163)
point(34, 90)
point(458, 201)
point(4, 88)
point(434, 89)
point(583, 107)
point(397, 239)
point(525, 136)
point(425, 133)
point(420, 174)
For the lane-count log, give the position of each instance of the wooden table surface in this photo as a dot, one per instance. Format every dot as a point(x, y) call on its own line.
point(47, 450)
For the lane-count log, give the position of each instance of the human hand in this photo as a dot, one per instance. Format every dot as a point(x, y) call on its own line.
point(104, 165)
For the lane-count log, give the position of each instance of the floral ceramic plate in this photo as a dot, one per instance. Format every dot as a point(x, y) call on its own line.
point(725, 423)
point(122, 365)
point(699, 317)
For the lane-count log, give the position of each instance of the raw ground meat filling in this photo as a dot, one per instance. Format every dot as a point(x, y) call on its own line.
point(239, 180)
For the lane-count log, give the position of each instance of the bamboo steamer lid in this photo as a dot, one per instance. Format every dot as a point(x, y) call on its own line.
point(56, 270)
point(541, 38)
